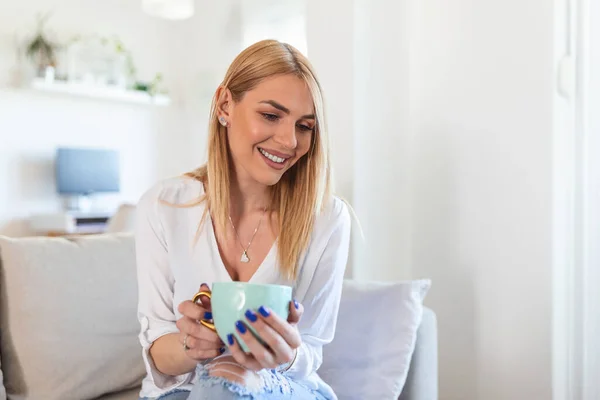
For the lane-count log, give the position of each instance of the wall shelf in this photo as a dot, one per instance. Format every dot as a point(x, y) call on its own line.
point(99, 92)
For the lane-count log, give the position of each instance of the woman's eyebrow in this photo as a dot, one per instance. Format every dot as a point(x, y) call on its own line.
point(284, 109)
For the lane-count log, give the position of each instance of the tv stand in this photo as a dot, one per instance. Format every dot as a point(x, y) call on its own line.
point(78, 203)
point(70, 222)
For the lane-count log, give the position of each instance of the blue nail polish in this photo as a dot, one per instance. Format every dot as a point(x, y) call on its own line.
point(207, 315)
point(263, 311)
point(252, 317)
point(296, 304)
point(222, 350)
point(230, 339)
point(240, 327)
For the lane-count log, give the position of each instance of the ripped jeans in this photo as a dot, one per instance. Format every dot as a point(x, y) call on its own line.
point(264, 385)
point(268, 385)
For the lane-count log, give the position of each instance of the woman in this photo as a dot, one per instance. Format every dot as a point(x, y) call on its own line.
point(261, 211)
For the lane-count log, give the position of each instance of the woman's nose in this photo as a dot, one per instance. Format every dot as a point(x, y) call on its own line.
point(286, 137)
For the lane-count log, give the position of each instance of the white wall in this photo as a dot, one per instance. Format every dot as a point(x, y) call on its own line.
point(155, 142)
point(482, 75)
point(283, 20)
point(453, 183)
point(382, 153)
point(363, 68)
point(33, 126)
point(331, 54)
point(590, 88)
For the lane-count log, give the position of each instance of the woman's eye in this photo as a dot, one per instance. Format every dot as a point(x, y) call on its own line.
point(305, 128)
point(270, 117)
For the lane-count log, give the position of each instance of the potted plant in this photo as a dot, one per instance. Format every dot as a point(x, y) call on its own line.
point(41, 50)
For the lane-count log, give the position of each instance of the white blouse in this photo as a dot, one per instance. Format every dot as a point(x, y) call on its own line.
point(171, 266)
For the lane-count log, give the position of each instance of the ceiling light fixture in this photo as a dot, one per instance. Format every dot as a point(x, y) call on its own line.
point(169, 9)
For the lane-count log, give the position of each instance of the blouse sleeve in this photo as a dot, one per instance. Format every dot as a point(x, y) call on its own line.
point(155, 285)
point(322, 299)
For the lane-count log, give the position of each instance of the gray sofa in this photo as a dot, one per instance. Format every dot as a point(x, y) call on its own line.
point(59, 299)
point(422, 380)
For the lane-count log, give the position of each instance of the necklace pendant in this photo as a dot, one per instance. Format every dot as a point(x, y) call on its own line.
point(245, 257)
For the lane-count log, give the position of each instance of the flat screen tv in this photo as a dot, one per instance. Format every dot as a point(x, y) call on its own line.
point(83, 172)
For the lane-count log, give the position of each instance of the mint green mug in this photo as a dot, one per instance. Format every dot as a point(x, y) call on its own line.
point(230, 300)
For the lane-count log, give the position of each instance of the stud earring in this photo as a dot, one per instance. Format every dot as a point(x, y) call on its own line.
point(223, 122)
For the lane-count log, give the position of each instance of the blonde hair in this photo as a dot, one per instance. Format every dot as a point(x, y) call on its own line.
point(304, 189)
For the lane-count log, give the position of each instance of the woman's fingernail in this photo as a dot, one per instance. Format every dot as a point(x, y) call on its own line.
point(296, 304)
point(208, 315)
point(222, 350)
point(251, 316)
point(230, 339)
point(204, 284)
point(263, 311)
point(240, 327)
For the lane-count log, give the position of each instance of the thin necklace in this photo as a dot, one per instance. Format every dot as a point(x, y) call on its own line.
point(245, 258)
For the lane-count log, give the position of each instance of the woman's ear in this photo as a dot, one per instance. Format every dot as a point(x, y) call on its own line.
point(224, 103)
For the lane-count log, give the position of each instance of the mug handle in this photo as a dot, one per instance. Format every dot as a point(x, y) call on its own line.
point(204, 322)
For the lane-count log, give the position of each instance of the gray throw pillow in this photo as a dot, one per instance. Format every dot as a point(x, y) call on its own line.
point(375, 337)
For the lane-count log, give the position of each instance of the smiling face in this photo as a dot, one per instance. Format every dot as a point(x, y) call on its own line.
point(270, 128)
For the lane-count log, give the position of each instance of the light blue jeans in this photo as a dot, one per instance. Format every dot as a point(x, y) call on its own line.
point(228, 391)
point(174, 395)
point(275, 386)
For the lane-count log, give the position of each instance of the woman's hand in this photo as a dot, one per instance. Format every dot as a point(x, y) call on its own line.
point(281, 337)
point(202, 343)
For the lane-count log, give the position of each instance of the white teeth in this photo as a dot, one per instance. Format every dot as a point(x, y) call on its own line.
point(272, 157)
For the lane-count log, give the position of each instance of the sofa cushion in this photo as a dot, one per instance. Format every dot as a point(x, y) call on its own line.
point(130, 394)
point(68, 317)
point(375, 337)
